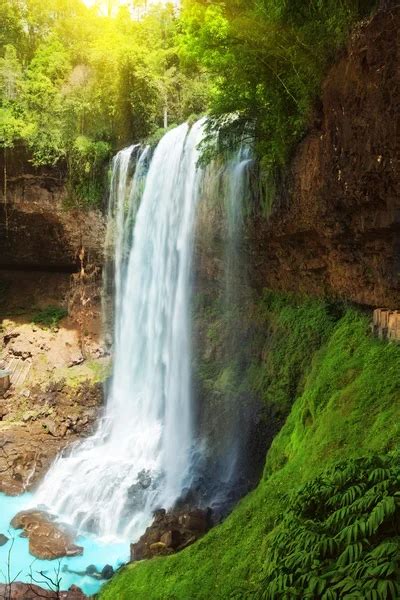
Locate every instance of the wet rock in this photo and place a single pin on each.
(195, 520)
(107, 572)
(144, 479)
(48, 539)
(159, 515)
(91, 570)
(27, 591)
(3, 539)
(170, 532)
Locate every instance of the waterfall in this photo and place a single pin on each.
(235, 185)
(140, 456)
(226, 421)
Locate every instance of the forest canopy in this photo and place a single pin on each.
(77, 83)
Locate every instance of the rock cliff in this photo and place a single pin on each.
(36, 230)
(335, 227)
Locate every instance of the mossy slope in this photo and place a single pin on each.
(347, 405)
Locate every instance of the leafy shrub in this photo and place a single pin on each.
(87, 162)
(340, 538)
(50, 316)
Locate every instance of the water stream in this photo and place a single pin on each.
(141, 456)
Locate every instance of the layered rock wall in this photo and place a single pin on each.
(335, 230)
(37, 231)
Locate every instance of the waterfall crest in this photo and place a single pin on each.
(140, 456)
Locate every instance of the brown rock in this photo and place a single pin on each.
(25, 591)
(27, 449)
(170, 532)
(172, 539)
(335, 225)
(51, 427)
(194, 521)
(157, 548)
(47, 538)
(139, 551)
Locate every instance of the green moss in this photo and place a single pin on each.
(296, 328)
(346, 390)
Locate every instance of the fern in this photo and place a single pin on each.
(339, 537)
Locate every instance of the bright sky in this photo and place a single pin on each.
(104, 3)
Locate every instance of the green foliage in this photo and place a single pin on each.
(49, 317)
(86, 177)
(347, 407)
(76, 85)
(340, 537)
(267, 59)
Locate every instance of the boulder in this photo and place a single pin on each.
(196, 520)
(48, 539)
(107, 572)
(170, 532)
(172, 539)
(91, 570)
(159, 549)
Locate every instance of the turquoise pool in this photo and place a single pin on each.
(23, 564)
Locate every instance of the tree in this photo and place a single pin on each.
(10, 74)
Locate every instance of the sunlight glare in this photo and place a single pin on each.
(104, 5)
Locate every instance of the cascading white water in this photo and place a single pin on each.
(140, 456)
(226, 195)
(235, 185)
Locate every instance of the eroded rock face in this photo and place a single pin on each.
(36, 230)
(48, 539)
(27, 591)
(336, 229)
(171, 532)
(57, 417)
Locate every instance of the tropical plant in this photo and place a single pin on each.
(340, 538)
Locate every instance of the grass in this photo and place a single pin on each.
(346, 405)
